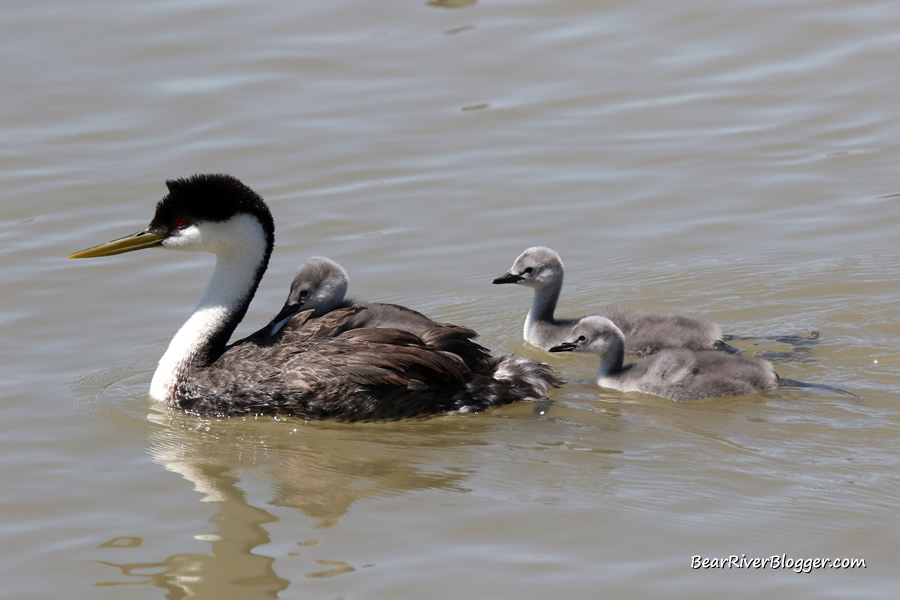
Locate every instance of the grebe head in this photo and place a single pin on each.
(320, 284)
(207, 213)
(594, 334)
(537, 267)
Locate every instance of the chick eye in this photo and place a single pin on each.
(581, 338)
(304, 293)
(179, 222)
(528, 270)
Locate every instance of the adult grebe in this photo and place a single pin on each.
(316, 368)
(645, 333)
(674, 374)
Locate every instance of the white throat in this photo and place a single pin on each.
(240, 246)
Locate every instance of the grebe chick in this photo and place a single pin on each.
(541, 268)
(321, 284)
(676, 374)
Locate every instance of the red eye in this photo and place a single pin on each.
(179, 222)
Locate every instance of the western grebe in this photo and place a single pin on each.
(645, 333)
(674, 374)
(316, 368)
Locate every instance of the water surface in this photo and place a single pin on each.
(734, 161)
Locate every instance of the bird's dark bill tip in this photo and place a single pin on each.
(564, 347)
(508, 278)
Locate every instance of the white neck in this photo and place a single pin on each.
(226, 298)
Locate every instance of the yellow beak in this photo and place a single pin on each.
(129, 243)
